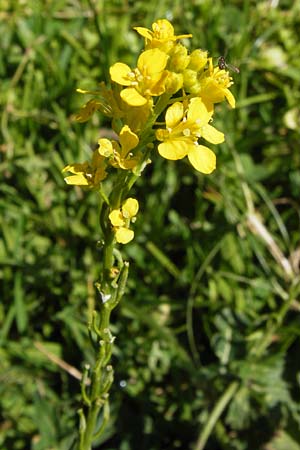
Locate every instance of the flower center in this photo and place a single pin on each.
(186, 132)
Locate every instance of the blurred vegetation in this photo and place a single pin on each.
(207, 349)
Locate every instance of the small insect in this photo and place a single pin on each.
(223, 65)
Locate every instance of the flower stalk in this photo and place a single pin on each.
(165, 103)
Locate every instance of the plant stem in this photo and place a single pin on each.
(111, 287)
(101, 380)
(215, 414)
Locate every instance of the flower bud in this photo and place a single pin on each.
(198, 60)
(179, 58)
(190, 81)
(174, 82)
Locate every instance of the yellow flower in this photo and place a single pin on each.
(214, 86)
(87, 174)
(119, 154)
(144, 82)
(161, 37)
(120, 219)
(105, 102)
(110, 103)
(183, 129)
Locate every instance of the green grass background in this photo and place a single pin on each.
(207, 348)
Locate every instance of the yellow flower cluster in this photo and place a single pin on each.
(167, 83)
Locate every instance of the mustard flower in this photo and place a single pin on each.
(119, 154)
(87, 174)
(144, 82)
(183, 129)
(105, 102)
(214, 85)
(120, 219)
(162, 35)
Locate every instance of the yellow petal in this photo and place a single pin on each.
(119, 73)
(130, 208)
(77, 168)
(132, 97)
(152, 62)
(105, 147)
(77, 180)
(144, 32)
(127, 164)
(158, 87)
(230, 98)
(116, 218)
(198, 112)
(128, 139)
(202, 159)
(174, 115)
(124, 235)
(163, 29)
(211, 134)
(174, 150)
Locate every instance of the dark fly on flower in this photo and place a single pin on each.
(223, 65)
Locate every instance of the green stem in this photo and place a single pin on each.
(102, 377)
(105, 312)
(108, 262)
(111, 290)
(215, 415)
(90, 426)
